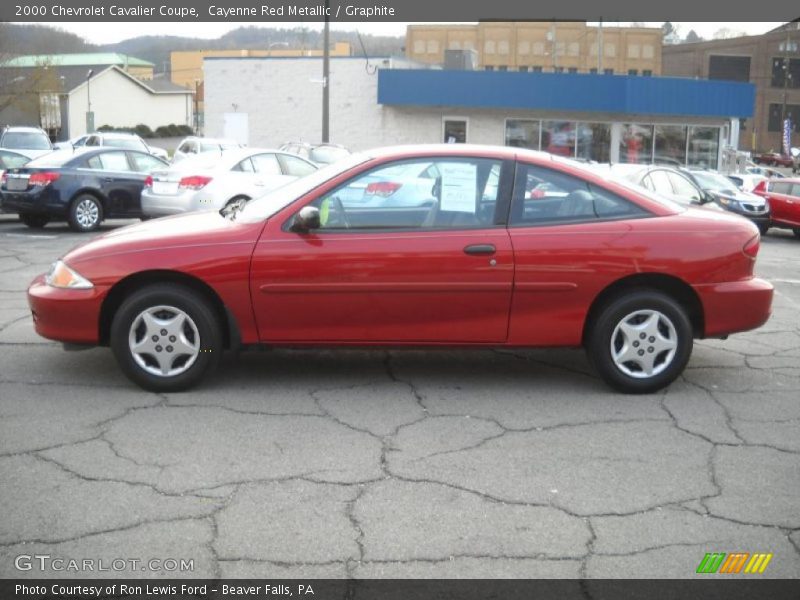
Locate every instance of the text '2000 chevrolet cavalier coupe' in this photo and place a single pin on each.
(502, 248)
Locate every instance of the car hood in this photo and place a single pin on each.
(740, 196)
(192, 229)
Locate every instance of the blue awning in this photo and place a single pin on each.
(566, 92)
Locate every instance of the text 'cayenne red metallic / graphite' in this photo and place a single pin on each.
(468, 246)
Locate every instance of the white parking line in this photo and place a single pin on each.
(796, 281)
(32, 236)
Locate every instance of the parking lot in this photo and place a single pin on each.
(398, 464)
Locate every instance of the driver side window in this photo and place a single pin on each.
(435, 193)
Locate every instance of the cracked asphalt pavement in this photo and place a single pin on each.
(409, 464)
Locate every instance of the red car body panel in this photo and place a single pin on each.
(419, 287)
(784, 208)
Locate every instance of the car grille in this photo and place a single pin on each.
(757, 209)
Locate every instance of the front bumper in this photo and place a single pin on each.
(735, 306)
(66, 315)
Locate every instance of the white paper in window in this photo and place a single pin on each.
(459, 187)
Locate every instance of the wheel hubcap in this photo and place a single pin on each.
(87, 213)
(644, 344)
(164, 341)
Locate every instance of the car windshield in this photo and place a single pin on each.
(713, 181)
(128, 143)
(267, 205)
(328, 154)
(26, 140)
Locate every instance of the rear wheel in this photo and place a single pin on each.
(34, 221)
(85, 213)
(640, 341)
(796, 232)
(166, 338)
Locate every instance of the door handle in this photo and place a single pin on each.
(479, 249)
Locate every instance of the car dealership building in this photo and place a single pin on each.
(267, 101)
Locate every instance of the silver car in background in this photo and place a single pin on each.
(212, 182)
(193, 146)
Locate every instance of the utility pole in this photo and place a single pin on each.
(786, 75)
(600, 47)
(553, 42)
(326, 74)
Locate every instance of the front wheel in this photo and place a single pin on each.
(763, 228)
(166, 338)
(85, 213)
(640, 342)
(34, 221)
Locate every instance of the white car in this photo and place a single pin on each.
(747, 182)
(211, 182)
(29, 141)
(194, 146)
(128, 141)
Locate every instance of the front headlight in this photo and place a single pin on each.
(729, 202)
(61, 276)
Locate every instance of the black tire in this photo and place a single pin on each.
(85, 213)
(34, 221)
(763, 228)
(796, 232)
(206, 336)
(240, 199)
(622, 310)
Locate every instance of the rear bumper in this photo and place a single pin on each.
(45, 202)
(163, 205)
(735, 306)
(65, 315)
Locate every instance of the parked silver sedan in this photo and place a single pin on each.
(212, 182)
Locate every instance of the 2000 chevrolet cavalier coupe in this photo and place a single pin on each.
(479, 262)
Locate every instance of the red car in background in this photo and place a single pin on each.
(784, 202)
(628, 275)
(773, 159)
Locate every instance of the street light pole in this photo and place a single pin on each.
(89, 114)
(326, 75)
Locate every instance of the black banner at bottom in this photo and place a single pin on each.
(704, 587)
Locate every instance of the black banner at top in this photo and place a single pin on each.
(277, 11)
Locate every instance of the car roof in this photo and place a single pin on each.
(23, 128)
(115, 134)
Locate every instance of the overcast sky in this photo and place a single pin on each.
(108, 32)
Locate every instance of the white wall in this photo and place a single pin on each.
(284, 104)
(120, 102)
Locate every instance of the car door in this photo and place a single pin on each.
(792, 206)
(436, 272)
(780, 204)
(568, 240)
(118, 182)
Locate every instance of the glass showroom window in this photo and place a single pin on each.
(703, 146)
(670, 145)
(594, 141)
(522, 133)
(636, 143)
(558, 137)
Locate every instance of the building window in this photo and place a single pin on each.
(419, 46)
(729, 68)
(454, 45)
(558, 137)
(648, 51)
(636, 143)
(502, 68)
(633, 72)
(609, 50)
(593, 70)
(573, 69)
(433, 47)
(594, 141)
(488, 68)
(523, 69)
(454, 130)
(524, 47)
(522, 133)
(558, 70)
(502, 47)
(538, 48)
(703, 146)
(608, 71)
(647, 73)
(574, 49)
(775, 122)
(780, 67)
(670, 144)
(489, 47)
(536, 69)
(633, 51)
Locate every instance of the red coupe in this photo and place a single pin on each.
(342, 257)
(783, 196)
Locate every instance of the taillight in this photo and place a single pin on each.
(43, 178)
(750, 249)
(383, 188)
(4, 178)
(194, 182)
(148, 181)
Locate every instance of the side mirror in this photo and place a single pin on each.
(306, 220)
